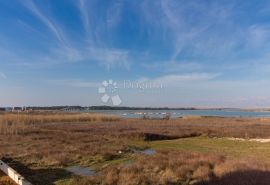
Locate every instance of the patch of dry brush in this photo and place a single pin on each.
(58, 139)
(180, 168)
(63, 139)
(16, 123)
(162, 168)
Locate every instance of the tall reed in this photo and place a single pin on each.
(11, 123)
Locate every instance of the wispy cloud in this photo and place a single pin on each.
(206, 36)
(84, 14)
(258, 36)
(73, 83)
(114, 14)
(176, 80)
(94, 50)
(45, 20)
(188, 45)
(110, 58)
(174, 66)
(3, 75)
(64, 52)
(199, 35)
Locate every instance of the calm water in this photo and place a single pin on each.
(148, 151)
(82, 171)
(180, 113)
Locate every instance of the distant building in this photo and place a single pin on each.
(17, 109)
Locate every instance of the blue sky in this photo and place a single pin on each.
(204, 53)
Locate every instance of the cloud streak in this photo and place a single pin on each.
(84, 15)
(45, 20)
(3, 75)
(110, 58)
(93, 50)
(212, 47)
(73, 83)
(177, 80)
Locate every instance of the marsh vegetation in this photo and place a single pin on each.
(192, 150)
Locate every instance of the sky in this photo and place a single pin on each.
(158, 53)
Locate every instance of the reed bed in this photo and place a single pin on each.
(183, 168)
(11, 123)
(53, 140)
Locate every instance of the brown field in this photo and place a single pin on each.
(193, 150)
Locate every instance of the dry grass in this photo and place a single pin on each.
(60, 140)
(54, 140)
(162, 168)
(17, 123)
(182, 168)
(195, 126)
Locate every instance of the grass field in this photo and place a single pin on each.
(221, 146)
(194, 150)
